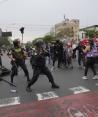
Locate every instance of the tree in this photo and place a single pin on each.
(28, 44)
(91, 33)
(68, 32)
(48, 38)
(5, 41)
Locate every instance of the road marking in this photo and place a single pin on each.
(9, 101)
(75, 112)
(47, 95)
(79, 89)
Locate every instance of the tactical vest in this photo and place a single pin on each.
(18, 53)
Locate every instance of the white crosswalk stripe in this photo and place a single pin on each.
(9, 101)
(79, 89)
(47, 95)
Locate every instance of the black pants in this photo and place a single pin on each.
(37, 71)
(58, 58)
(81, 58)
(0, 61)
(54, 59)
(23, 66)
(89, 64)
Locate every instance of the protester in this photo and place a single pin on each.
(89, 61)
(18, 56)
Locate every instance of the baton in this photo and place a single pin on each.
(7, 82)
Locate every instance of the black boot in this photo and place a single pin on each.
(28, 79)
(55, 86)
(0, 79)
(28, 89)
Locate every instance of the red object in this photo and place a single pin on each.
(80, 105)
(84, 41)
(69, 44)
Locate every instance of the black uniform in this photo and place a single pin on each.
(40, 67)
(58, 53)
(80, 54)
(0, 58)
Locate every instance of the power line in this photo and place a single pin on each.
(26, 25)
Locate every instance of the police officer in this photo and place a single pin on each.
(40, 68)
(18, 56)
(0, 59)
(58, 53)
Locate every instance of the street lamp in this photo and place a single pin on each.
(22, 32)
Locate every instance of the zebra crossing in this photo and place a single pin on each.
(42, 96)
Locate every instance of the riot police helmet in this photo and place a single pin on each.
(16, 42)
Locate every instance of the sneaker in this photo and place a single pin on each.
(52, 68)
(83, 67)
(55, 86)
(95, 77)
(84, 77)
(13, 90)
(28, 89)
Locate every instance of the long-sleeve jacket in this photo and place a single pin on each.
(39, 60)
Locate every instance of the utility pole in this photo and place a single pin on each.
(55, 31)
(64, 17)
(22, 32)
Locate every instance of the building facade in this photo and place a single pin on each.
(67, 29)
(93, 27)
(82, 32)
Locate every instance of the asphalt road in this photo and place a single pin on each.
(67, 79)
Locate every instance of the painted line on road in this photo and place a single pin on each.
(79, 89)
(47, 95)
(9, 101)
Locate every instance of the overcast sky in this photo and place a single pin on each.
(38, 16)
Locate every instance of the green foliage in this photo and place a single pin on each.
(91, 33)
(68, 32)
(48, 38)
(28, 44)
(5, 41)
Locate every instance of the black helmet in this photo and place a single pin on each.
(39, 43)
(57, 41)
(16, 42)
